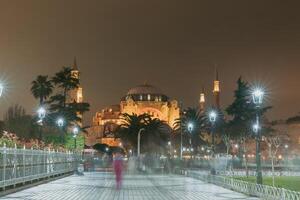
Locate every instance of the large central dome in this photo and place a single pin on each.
(145, 92)
(144, 89)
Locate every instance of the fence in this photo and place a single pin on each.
(251, 189)
(19, 166)
(265, 173)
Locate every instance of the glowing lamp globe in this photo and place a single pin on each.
(258, 95)
(212, 116)
(41, 112)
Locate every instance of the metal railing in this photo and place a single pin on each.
(19, 166)
(251, 189)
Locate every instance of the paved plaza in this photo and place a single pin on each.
(95, 186)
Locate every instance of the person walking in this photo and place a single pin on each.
(118, 168)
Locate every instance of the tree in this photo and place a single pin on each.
(17, 121)
(41, 88)
(273, 142)
(60, 104)
(154, 136)
(199, 123)
(66, 82)
(243, 114)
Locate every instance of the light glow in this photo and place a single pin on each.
(257, 96)
(190, 127)
(60, 122)
(41, 113)
(256, 127)
(75, 131)
(212, 116)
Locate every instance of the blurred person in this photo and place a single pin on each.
(118, 168)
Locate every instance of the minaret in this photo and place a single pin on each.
(216, 91)
(202, 101)
(76, 94)
(75, 71)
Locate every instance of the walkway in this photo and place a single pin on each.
(96, 186)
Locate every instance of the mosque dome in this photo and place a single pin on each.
(145, 92)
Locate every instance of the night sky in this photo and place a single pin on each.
(171, 44)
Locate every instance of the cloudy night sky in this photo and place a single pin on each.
(171, 44)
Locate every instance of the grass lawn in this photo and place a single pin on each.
(287, 182)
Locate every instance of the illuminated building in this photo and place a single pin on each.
(138, 100)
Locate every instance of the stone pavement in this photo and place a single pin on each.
(96, 186)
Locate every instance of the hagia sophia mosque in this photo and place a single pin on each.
(152, 100)
(138, 100)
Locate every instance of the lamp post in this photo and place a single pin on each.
(1, 89)
(139, 142)
(60, 123)
(170, 147)
(286, 147)
(257, 97)
(190, 128)
(41, 115)
(212, 119)
(75, 133)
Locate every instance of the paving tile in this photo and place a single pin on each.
(97, 185)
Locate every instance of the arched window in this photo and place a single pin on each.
(149, 97)
(141, 97)
(159, 98)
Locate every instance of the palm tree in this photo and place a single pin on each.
(131, 124)
(59, 104)
(154, 136)
(41, 88)
(199, 122)
(65, 81)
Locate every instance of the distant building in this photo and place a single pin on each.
(138, 100)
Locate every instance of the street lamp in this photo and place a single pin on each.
(170, 147)
(75, 133)
(257, 97)
(286, 146)
(139, 141)
(190, 128)
(60, 123)
(213, 119)
(41, 114)
(212, 116)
